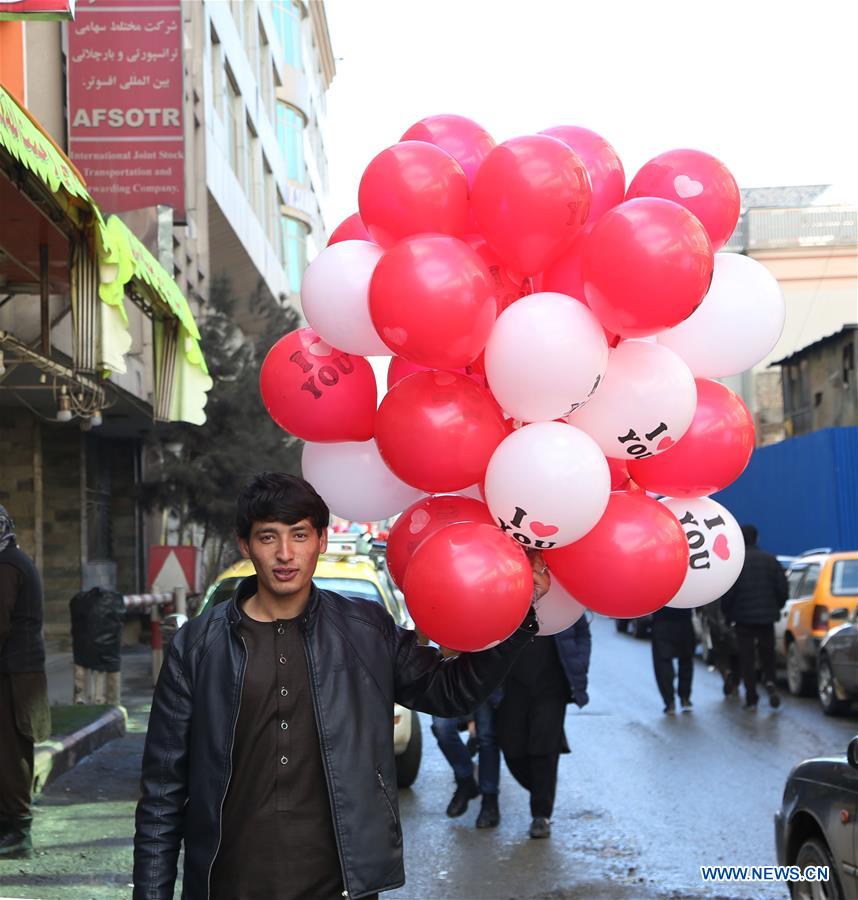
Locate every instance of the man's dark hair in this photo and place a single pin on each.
(277, 497)
(750, 534)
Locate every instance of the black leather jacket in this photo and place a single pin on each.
(360, 664)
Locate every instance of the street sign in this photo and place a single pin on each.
(173, 567)
(125, 103)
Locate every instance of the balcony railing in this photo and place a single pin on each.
(781, 229)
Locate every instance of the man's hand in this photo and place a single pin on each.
(541, 577)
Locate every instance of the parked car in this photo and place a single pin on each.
(815, 825)
(837, 668)
(823, 593)
(641, 627)
(352, 574)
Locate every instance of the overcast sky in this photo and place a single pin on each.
(768, 87)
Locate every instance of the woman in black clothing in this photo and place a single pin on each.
(549, 673)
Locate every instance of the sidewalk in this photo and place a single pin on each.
(63, 751)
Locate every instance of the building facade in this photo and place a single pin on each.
(811, 248)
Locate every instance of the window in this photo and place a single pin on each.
(794, 577)
(351, 587)
(287, 19)
(844, 578)
(233, 121)
(251, 35)
(267, 200)
(254, 162)
(217, 73)
(290, 137)
(294, 235)
(809, 582)
(264, 74)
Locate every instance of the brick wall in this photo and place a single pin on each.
(123, 516)
(17, 435)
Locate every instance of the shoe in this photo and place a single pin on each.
(15, 839)
(751, 705)
(774, 696)
(686, 704)
(465, 791)
(670, 709)
(729, 685)
(540, 827)
(489, 816)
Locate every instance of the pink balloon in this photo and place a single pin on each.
(697, 181)
(603, 166)
(400, 368)
(413, 188)
(466, 141)
(530, 198)
(350, 229)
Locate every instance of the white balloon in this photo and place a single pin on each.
(556, 611)
(737, 324)
(716, 548)
(353, 480)
(644, 405)
(545, 355)
(335, 297)
(547, 484)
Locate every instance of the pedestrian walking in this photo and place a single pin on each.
(25, 716)
(458, 754)
(269, 752)
(724, 648)
(754, 604)
(547, 675)
(673, 639)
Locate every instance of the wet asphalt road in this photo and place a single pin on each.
(643, 801)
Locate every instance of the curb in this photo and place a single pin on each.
(53, 758)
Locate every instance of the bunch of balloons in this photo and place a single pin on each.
(553, 338)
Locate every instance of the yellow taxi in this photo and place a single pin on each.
(823, 593)
(348, 569)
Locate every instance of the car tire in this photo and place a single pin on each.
(622, 625)
(814, 852)
(799, 682)
(408, 762)
(831, 704)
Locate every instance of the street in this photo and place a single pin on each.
(643, 801)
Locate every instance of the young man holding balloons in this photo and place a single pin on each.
(269, 752)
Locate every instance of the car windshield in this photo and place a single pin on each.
(351, 587)
(844, 578)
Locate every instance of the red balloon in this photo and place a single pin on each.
(411, 188)
(400, 368)
(432, 301)
(564, 274)
(469, 585)
(350, 229)
(422, 519)
(530, 198)
(316, 392)
(710, 455)
(509, 286)
(697, 181)
(437, 431)
(632, 563)
(466, 141)
(620, 478)
(647, 265)
(607, 177)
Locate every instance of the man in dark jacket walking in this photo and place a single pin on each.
(754, 604)
(25, 716)
(270, 743)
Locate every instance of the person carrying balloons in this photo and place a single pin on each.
(549, 673)
(269, 752)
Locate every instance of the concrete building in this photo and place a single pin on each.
(810, 245)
